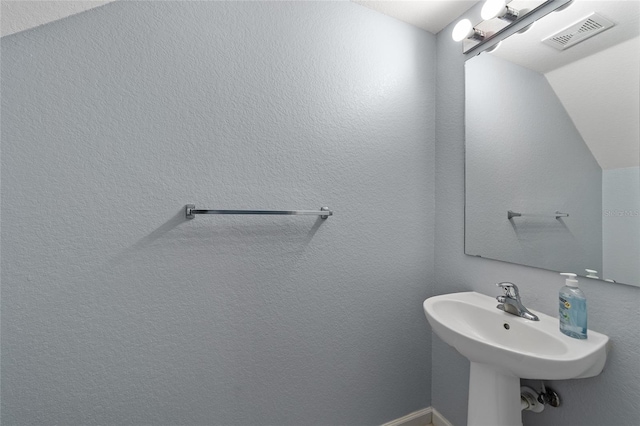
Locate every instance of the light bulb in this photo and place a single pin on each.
(494, 47)
(564, 6)
(462, 30)
(492, 9)
(525, 29)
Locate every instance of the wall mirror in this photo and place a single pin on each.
(552, 177)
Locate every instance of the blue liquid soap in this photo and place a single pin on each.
(572, 313)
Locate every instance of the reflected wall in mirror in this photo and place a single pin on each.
(552, 135)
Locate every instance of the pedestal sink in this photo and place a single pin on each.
(504, 348)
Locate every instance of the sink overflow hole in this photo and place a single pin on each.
(506, 326)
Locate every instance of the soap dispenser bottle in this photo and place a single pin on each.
(572, 308)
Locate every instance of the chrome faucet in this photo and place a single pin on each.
(511, 303)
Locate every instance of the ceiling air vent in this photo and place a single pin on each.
(580, 31)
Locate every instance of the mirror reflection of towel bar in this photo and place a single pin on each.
(511, 214)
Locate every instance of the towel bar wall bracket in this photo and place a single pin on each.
(324, 212)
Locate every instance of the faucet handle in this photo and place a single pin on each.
(510, 289)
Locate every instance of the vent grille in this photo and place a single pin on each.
(579, 31)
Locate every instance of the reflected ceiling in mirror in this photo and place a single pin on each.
(553, 134)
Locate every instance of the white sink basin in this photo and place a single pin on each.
(471, 323)
(503, 348)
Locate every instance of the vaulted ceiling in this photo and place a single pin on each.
(430, 15)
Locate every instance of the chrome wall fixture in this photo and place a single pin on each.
(324, 212)
(511, 214)
(498, 16)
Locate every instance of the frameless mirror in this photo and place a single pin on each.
(553, 147)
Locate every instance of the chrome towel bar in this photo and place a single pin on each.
(324, 212)
(511, 214)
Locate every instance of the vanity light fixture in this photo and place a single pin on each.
(492, 9)
(498, 17)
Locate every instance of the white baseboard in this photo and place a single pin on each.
(439, 420)
(422, 417)
(417, 418)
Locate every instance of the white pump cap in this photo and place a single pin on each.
(571, 280)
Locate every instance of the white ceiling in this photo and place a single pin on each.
(430, 15)
(613, 138)
(527, 50)
(607, 114)
(20, 15)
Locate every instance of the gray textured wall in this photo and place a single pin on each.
(116, 310)
(523, 153)
(621, 224)
(609, 399)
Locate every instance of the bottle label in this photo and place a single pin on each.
(573, 316)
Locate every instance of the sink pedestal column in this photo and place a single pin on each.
(494, 397)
